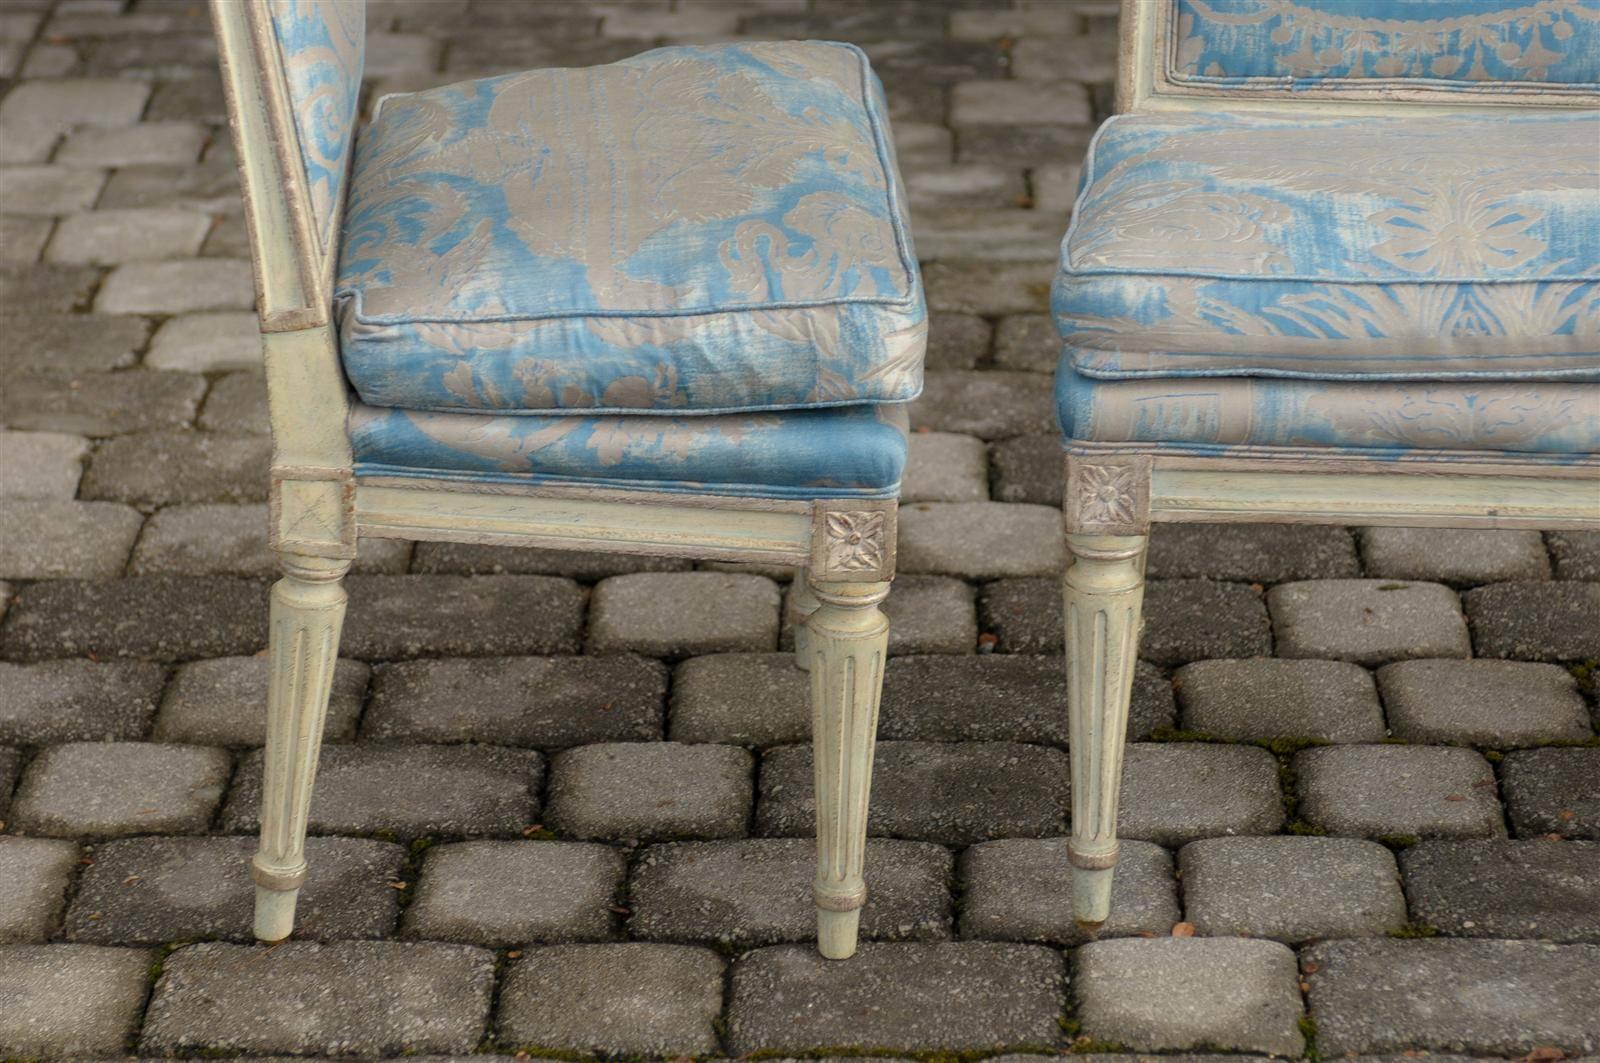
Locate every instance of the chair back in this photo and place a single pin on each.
(1359, 54)
(292, 74)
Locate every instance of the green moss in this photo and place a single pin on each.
(1587, 673)
(1392, 586)
(1308, 1030)
(1398, 841)
(1493, 756)
(1415, 930)
(1086, 1045)
(1300, 826)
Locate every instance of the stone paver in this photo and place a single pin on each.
(1189, 993)
(1576, 554)
(1251, 553)
(410, 616)
(157, 617)
(351, 997)
(77, 701)
(944, 467)
(680, 614)
(472, 790)
(41, 464)
(931, 614)
(10, 772)
(110, 789)
(165, 468)
(1175, 793)
(1028, 469)
(757, 891)
(146, 891)
(928, 997)
(748, 699)
(1020, 889)
(34, 875)
(1458, 556)
(206, 342)
(1291, 889)
(47, 190)
(650, 791)
(89, 540)
(237, 403)
(111, 237)
(1267, 699)
(1190, 620)
(70, 1000)
(636, 998)
(1535, 621)
(74, 101)
(73, 343)
(1368, 621)
(1393, 996)
(1398, 791)
(1553, 791)
(506, 893)
(102, 404)
(991, 404)
(147, 142)
(223, 702)
(548, 702)
(177, 287)
(956, 793)
(1503, 704)
(1506, 888)
(985, 540)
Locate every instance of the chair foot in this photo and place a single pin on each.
(837, 933)
(1091, 896)
(274, 914)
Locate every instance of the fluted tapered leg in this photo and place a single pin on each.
(849, 638)
(802, 603)
(307, 612)
(1103, 590)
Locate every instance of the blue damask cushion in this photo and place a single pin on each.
(857, 451)
(1551, 417)
(1465, 45)
(1450, 247)
(693, 229)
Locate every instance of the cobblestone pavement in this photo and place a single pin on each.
(565, 803)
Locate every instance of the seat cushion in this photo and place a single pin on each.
(705, 229)
(847, 451)
(1433, 248)
(1550, 417)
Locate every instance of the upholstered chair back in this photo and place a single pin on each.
(1478, 51)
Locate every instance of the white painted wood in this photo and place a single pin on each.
(308, 606)
(802, 603)
(849, 639)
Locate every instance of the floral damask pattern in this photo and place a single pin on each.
(850, 451)
(1462, 44)
(1456, 247)
(322, 44)
(706, 229)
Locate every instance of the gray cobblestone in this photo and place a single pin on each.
(1174, 793)
(237, 403)
(1009, 233)
(977, 103)
(352, 997)
(1553, 792)
(41, 464)
(146, 891)
(748, 699)
(206, 342)
(922, 144)
(972, 184)
(47, 190)
(223, 702)
(957, 341)
(70, 1000)
(10, 772)
(110, 237)
(548, 702)
(1576, 554)
(1023, 615)
(409, 791)
(22, 239)
(1191, 620)
(87, 539)
(1456, 556)
(1055, 188)
(76, 701)
(47, 289)
(1535, 621)
(1028, 342)
(1369, 622)
(928, 997)
(471, 559)
(506, 893)
(1483, 703)
(680, 614)
(1399, 791)
(177, 287)
(931, 614)
(1246, 553)
(1291, 889)
(982, 540)
(71, 343)
(757, 891)
(164, 468)
(987, 287)
(156, 617)
(1028, 469)
(1020, 889)
(1506, 889)
(943, 467)
(212, 187)
(24, 142)
(1046, 58)
(993, 404)
(34, 875)
(1022, 144)
(1194, 993)
(101, 404)
(207, 539)
(409, 616)
(111, 789)
(954, 793)
(634, 998)
(653, 791)
(1265, 699)
(1401, 996)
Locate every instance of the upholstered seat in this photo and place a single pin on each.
(700, 230)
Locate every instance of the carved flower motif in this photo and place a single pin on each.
(855, 540)
(1105, 494)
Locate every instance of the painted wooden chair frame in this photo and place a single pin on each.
(1115, 491)
(842, 549)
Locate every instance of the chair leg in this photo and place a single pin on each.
(849, 638)
(307, 613)
(802, 603)
(1103, 589)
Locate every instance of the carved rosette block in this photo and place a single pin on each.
(853, 540)
(1108, 496)
(848, 644)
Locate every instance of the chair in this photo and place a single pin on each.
(667, 306)
(1333, 261)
